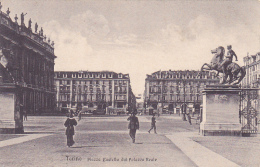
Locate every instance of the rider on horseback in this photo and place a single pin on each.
(232, 70)
(228, 59)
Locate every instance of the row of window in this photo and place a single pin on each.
(182, 76)
(175, 83)
(91, 97)
(89, 88)
(93, 82)
(90, 75)
(188, 97)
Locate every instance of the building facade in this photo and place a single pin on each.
(168, 90)
(252, 78)
(108, 91)
(27, 62)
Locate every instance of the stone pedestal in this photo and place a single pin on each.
(11, 120)
(220, 115)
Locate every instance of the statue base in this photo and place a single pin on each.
(11, 120)
(220, 111)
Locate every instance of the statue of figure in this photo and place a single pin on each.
(49, 40)
(228, 59)
(232, 70)
(0, 6)
(52, 44)
(22, 18)
(41, 34)
(15, 18)
(8, 12)
(30, 24)
(44, 37)
(36, 27)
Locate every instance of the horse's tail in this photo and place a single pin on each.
(243, 73)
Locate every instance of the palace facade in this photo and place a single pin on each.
(252, 77)
(168, 90)
(27, 63)
(104, 90)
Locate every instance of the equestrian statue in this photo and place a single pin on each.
(232, 72)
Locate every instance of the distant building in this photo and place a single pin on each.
(140, 106)
(107, 91)
(27, 64)
(252, 78)
(166, 91)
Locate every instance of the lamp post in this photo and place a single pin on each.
(161, 98)
(184, 105)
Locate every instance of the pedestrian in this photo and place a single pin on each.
(79, 115)
(70, 123)
(153, 126)
(21, 111)
(133, 125)
(189, 118)
(184, 109)
(25, 115)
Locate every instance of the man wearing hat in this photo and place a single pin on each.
(70, 123)
(133, 125)
(153, 126)
(228, 59)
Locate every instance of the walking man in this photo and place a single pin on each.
(133, 125)
(25, 115)
(79, 115)
(183, 110)
(189, 118)
(153, 126)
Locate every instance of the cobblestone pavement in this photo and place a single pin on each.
(104, 141)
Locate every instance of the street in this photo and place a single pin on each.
(104, 141)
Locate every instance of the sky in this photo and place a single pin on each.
(139, 37)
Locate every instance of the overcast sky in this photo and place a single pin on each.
(140, 37)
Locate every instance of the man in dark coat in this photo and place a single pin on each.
(183, 110)
(70, 123)
(133, 125)
(189, 118)
(153, 126)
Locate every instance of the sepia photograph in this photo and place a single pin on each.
(129, 83)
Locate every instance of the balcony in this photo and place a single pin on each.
(121, 92)
(64, 91)
(120, 100)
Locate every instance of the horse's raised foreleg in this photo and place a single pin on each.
(203, 68)
(208, 67)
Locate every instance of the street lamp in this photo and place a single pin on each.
(184, 105)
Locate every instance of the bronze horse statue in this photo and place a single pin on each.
(235, 73)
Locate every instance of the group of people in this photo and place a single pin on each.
(184, 113)
(132, 126)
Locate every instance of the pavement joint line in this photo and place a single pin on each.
(109, 131)
(22, 139)
(200, 155)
